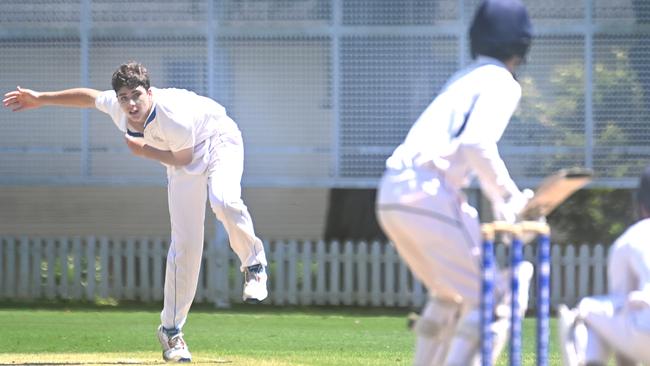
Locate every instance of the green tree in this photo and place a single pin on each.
(592, 215)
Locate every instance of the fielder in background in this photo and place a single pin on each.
(201, 147)
(420, 203)
(618, 323)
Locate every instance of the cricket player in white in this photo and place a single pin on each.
(420, 205)
(201, 147)
(618, 323)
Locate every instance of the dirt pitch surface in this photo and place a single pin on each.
(110, 359)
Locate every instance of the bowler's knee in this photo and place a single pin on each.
(224, 205)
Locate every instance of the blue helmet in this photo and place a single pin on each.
(500, 29)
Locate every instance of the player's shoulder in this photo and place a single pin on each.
(488, 67)
(106, 96)
(165, 94)
(635, 236)
(641, 226)
(185, 106)
(487, 73)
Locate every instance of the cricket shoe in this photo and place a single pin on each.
(174, 347)
(566, 325)
(255, 284)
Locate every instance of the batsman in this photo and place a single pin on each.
(420, 203)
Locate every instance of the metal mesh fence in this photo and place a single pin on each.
(323, 90)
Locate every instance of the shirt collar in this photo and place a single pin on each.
(487, 60)
(151, 117)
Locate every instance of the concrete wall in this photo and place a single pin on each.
(278, 213)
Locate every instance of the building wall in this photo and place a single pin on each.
(278, 213)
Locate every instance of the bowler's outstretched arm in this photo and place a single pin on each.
(23, 99)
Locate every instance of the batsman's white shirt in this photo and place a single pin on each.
(459, 130)
(180, 119)
(420, 204)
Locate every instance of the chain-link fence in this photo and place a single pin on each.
(323, 90)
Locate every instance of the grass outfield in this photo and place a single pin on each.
(242, 335)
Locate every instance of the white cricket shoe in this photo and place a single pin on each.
(566, 325)
(174, 347)
(255, 284)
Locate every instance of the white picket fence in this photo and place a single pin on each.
(301, 273)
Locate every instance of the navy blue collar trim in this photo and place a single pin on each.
(152, 116)
(134, 134)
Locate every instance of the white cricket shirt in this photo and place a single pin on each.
(179, 119)
(458, 132)
(629, 260)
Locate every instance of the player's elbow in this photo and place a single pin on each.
(185, 160)
(183, 157)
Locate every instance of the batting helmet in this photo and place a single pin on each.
(500, 29)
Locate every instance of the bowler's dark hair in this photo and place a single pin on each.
(132, 75)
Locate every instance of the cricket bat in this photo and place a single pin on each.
(554, 190)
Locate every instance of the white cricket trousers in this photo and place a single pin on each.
(187, 195)
(434, 230)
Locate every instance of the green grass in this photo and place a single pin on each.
(243, 335)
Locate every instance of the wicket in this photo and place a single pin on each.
(543, 267)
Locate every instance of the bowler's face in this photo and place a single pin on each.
(136, 103)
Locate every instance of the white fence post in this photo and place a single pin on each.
(75, 292)
(556, 275)
(23, 268)
(118, 284)
(63, 263)
(362, 273)
(403, 288)
(37, 253)
(91, 262)
(158, 253)
(569, 269)
(50, 252)
(238, 284)
(599, 270)
(221, 265)
(10, 271)
(348, 273)
(419, 297)
(320, 273)
(390, 258)
(278, 277)
(375, 273)
(103, 267)
(306, 290)
(584, 269)
(292, 274)
(334, 293)
(144, 284)
(129, 253)
(3, 268)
